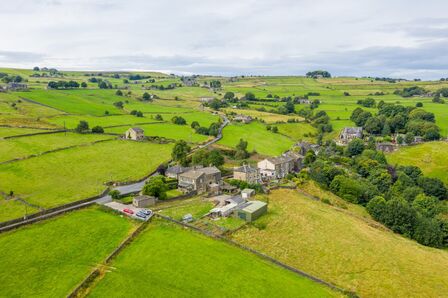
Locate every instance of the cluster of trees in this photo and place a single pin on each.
(137, 113)
(83, 127)
(318, 73)
(137, 77)
(368, 102)
(241, 150)
(411, 91)
(389, 80)
(393, 118)
(439, 94)
(162, 87)
(180, 152)
(178, 120)
(65, 84)
(102, 84)
(10, 79)
(212, 130)
(206, 158)
(119, 104)
(274, 129)
(157, 186)
(401, 198)
(215, 84)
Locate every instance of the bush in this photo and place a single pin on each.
(82, 127)
(97, 129)
(115, 194)
(178, 120)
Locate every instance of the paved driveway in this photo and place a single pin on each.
(119, 207)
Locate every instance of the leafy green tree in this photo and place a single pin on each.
(195, 124)
(158, 117)
(433, 187)
(115, 194)
(426, 205)
(119, 93)
(310, 157)
(156, 187)
(241, 149)
(83, 126)
(178, 120)
(97, 129)
(250, 96)
(400, 217)
(274, 129)
(377, 208)
(400, 140)
(146, 96)
(229, 95)
(215, 158)
(213, 129)
(428, 232)
(180, 152)
(355, 147)
(84, 85)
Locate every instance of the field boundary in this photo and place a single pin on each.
(96, 272)
(48, 213)
(35, 134)
(261, 255)
(54, 150)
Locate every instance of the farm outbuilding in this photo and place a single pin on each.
(144, 201)
(252, 210)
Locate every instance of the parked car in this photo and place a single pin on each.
(146, 212)
(129, 211)
(141, 214)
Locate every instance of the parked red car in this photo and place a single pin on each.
(129, 211)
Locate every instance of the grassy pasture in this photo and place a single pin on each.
(48, 259)
(15, 131)
(91, 102)
(266, 116)
(25, 146)
(297, 131)
(346, 250)
(71, 121)
(263, 141)
(181, 263)
(73, 174)
(431, 158)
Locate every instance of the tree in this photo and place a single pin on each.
(115, 194)
(119, 93)
(426, 205)
(289, 106)
(213, 129)
(146, 96)
(419, 104)
(195, 124)
(428, 232)
(180, 152)
(158, 117)
(84, 85)
(433, 187)
(178, 120)
(36, 68)
(355, 147)
(215, 158)
(241, 149)
(97, 129)
(250, 96)
(229, 95)
(156, 187)
(200, 157)
(377, 208)
(118, 104)
(274, 129)
(310, 157)
(83, 126)
(409, 138)
(400, 217)
(400, 140)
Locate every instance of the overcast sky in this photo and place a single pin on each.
(394, 38)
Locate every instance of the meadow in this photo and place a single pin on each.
(77, 173)
(431, 158)
(166, 260)
(50, 258)
(346, 250)
(258, 137)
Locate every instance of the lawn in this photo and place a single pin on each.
(73, 174)
(298, 131)
(259, 139)
(25, 146)
(168, 261)
(50, 258)
(346, 250)
(431, 158)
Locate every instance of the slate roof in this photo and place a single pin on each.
(245, 169)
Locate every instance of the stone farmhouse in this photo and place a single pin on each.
(175, 171)
(135, 133)
(200, 180)
(350, 133)
(385, 147)
(247, 173)
(279, 167)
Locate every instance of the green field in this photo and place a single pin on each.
(259, 139)
(25, 146)
(168, 261)
(431, 158)
(78, 173)
(50, 258)
(14, 131)
(298, 131)
(348, 250)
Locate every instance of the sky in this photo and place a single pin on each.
(391, 38)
